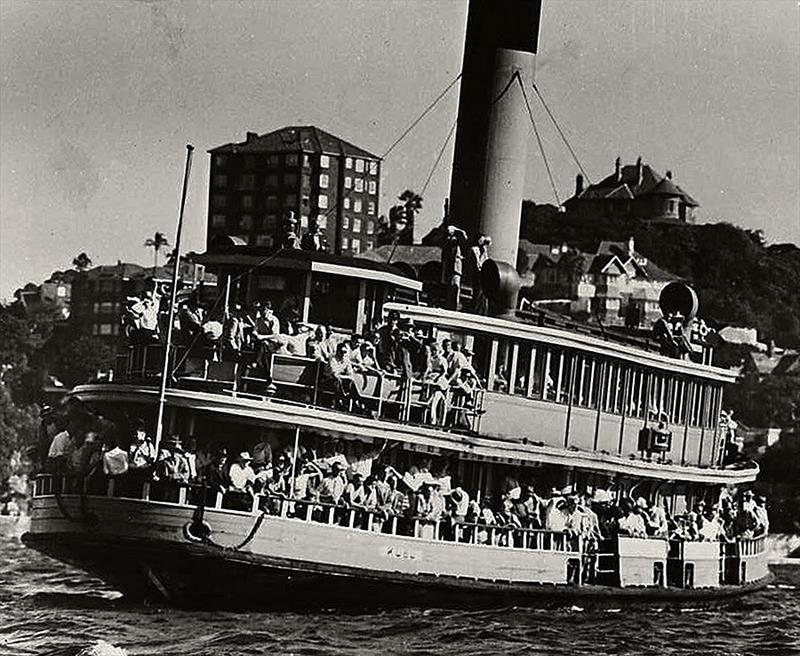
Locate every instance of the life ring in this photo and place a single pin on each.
(205, 529)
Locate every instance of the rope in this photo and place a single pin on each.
(201, 530)
(538, 138)
(421, 116)
(438, 158)
(561, 133)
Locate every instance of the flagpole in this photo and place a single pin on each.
(162, 394)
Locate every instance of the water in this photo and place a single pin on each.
(49, 608)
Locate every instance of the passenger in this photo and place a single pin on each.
(364, 358)
(262, 454)
(190, 453)
(306, 480)
(485, 518)
(87, 456)
(748, 503)
(452, 259)
(191, 317)
(59, 455)
(318, 346)
(657, 524)
(142, 453)
(631, 522)
(115, 460)
(216, 474)
(142, 317)
(234, 331)
(437, 381)
(265, 330)
(314, 239)
(459, 503)
(242, 476)
(710, 528)
(332, 486)
(476, 258)
(339, 373)
(762, 517)
(354, 492)
(527, 508)
(387, 342)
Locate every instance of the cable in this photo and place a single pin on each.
(438, 158)
(561, 133)
(538, 138)
(421, 116)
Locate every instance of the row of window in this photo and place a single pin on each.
(353, 244)
(273, 201)
(105, 329)
(589, 381)
(106, 307)
(269, 223)
(293, 159)
(357, 184)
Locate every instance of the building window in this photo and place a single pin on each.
(217, 220)
(292, 159)
(370, 245)
(220, 160)
(220, 180)
(272, 202)
(357, 205)
(344, 243)
(371, 207)
(304, 221)
(356, 224)
(270, 222)
(359, 166)
(323, 180)
(348, 182)
(272, 161)
(355, 245)
(290, 200)
(106, 329)
(370, 228)
(306, 162)
(373, 168)
(249, 162)
(346, 203)
(247, 201)
(219, 201)
(248, 181)
(61, 291)
(290, 180)
(95, 329)
(322, 202)
(345, 222)
(348, 162)
(359, 184)
(272, 181)
(373, 186)
(322, 221)
(264, 240)
(244, 238)
(306, 201)
(246, 222)
(324, 161)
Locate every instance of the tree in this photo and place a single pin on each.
(157, 242)
(398, 227)
(79, 360)
(18, 429)
(82, 261)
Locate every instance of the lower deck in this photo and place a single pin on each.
(282, 553)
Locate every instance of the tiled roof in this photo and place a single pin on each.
(293, 139)
(128, 270)
(789, 365)
(413, 254)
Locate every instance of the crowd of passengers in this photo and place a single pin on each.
(443, 368)
(352, 483)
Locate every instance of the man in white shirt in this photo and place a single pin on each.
(115, 461)
(59, 455)
(241, 473)
(142, 450)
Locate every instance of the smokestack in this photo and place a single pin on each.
(486, 188)
(669, 175)
(252, 136)
(618, 169)
(578, 184)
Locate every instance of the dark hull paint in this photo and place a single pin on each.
(197, 576)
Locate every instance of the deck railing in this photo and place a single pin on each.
(299, 379)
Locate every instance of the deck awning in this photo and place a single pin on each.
(298, 260)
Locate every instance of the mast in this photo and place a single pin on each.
(162, 393)
(487, 184)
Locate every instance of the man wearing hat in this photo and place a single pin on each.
(333, 484)
(452, 265)
(142, 450)
(290, 240)
(241, 474)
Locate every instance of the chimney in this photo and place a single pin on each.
(639, 170)
(578, 184)
(618, 169)
(669, 175)
(252, 136)
(631, 247)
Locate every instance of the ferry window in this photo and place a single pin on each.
(502, 366)
(220, 180)
(333, 300)
(523, 369)
(551, 362)
(617, 398)
(271, 282)
(536, 385)
(564, 377)
(586, 374)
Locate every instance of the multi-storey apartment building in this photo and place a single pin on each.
(320, 178)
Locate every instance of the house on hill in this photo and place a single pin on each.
(633, 191)
(615, 283)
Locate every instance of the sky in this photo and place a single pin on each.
(98, 100)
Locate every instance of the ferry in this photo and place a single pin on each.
(566, 405)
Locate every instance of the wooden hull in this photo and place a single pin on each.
(141, 548)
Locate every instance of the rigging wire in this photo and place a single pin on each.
(561, 133)
(421, 116)
(438, 158)
(538, 138)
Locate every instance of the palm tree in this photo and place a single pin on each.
(82, 261)
(157, 242)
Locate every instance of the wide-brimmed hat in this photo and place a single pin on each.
(244, 455)
(641, 502)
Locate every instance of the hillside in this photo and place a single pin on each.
(740, 280)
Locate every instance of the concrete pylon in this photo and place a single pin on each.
(506, 154)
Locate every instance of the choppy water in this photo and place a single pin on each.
(49, 608)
